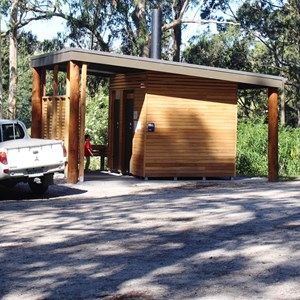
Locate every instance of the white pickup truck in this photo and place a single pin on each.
(25, 159)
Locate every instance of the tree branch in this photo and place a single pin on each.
(186, 21)
(211, 21)
(185, 5)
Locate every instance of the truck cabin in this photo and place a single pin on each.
(11, 131)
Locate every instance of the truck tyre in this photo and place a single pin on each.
(38, 187)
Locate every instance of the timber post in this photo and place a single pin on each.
(54, 106)
(73, 122)
(36, 118)
(82, 121)
(273, 134)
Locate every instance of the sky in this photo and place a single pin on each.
(43, 29)
(46, 29)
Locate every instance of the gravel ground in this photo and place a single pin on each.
(124, 238)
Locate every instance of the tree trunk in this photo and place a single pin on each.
(177, 31)
(177, 43)
(11, 113)
(12, 75)
(282, 108)
(139, 20)
(282, 101)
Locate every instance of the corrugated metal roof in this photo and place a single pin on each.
(105, 64)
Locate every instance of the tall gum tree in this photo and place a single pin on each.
(275, 24)
(98, 24)
(11, 113)
(20, 13)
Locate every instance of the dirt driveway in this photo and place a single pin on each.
(124, 238)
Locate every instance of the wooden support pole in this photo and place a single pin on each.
(44, 127)
(82, 121)
(55, 80)
(36, 122)
(54, 129)
(111, 121)
(73, 122)
(67, 113)
(273, 135)
(121, 132)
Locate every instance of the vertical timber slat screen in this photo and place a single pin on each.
(54, 117)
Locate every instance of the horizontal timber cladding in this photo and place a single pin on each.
(195, 127)
(128, 81)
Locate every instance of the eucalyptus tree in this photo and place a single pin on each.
(272, 31)
(228, 49)
(27, 44)
(18, 14)
(291, 59)
(102, 25)
(275, 25)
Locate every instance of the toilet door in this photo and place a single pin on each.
(116, 135)
(128, 131)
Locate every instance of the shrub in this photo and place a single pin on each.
(97, 122)
(289, 151)
(252, 149)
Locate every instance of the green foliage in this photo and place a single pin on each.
(252, 103)
(27, 46)
(52, 45)
(252, 149)
(4, 6)
(267, 42)
(289, 151)
(274, 28)
(5, 73)
(227, 49)
(97, 118)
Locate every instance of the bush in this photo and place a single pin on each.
(252, 149)
(289, 151)
(97, 118)
(97, 122)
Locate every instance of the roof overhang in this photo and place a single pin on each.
(107, 64)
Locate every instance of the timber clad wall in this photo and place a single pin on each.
(195, 125)
(138, 143)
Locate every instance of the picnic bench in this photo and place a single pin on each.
(101, 151)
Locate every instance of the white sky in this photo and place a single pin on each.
(46, 29)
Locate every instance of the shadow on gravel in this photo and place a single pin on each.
(199, 240)
(22, 192)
